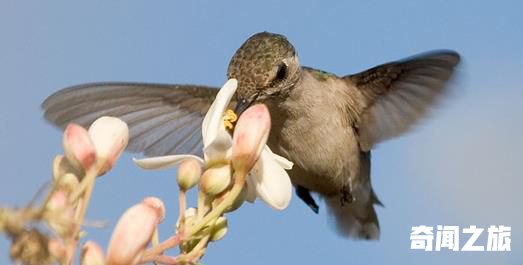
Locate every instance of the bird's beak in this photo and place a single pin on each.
(244, 103)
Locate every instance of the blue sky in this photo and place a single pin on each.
(462, 166)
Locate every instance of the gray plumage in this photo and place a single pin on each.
(327, 125)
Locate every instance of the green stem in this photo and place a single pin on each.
(89, 177)
(239, 182)
(198, 250)
(203, 205)
(194, 255)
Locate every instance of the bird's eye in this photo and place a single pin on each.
(282, 72)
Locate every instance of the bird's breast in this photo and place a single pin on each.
(309, 131)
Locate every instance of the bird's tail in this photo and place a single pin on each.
(356, 219)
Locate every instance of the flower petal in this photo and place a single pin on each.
(273, 184)
(216, 139)
(212, 122)
(249, 138)
(219, 149)
(161, 162)
(251, 187)
(282, 161)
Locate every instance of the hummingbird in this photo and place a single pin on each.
(326, 124)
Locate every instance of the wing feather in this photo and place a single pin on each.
(162, 119)
(398, 94)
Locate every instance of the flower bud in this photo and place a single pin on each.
(61, 210)
(92, 254)
(57, 201)
(78, 147)
(56, 248)
(219, 229)
(189, 174)
(157, 205)
(216, 179)
(68, 182)
(110, 136)
(62, 166)
(250, 136)
(133, 232)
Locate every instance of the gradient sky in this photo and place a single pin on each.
(462, 166)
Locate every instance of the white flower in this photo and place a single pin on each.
(268, 180)
(110, 136)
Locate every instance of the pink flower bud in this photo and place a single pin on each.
(133, 232)
(56, 248)
(250, 136)
(78, 147)
(157, 205)
(57, 201)
(110, 136)
(92, 254)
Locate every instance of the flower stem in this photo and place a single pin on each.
(85, 191)
(182, 200)
(203, 205)
(153, 252)
(163, 259)
(239, 182)
(197, 252)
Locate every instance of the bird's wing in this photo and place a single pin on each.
(162, 119)
(397, 94)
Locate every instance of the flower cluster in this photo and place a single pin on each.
(87, 154)
(236, 167)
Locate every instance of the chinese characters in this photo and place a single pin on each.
(448, 237)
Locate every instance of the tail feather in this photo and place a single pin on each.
(355, 220)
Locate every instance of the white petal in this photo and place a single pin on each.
(213, 120)
(110, 136)
(273, 184)
(251, 188)
(219, 148)
(161, 162)
(282, 161)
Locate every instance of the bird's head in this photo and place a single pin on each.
(266, 67)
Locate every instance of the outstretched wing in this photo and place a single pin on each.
(162, 119)
(397, 94)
